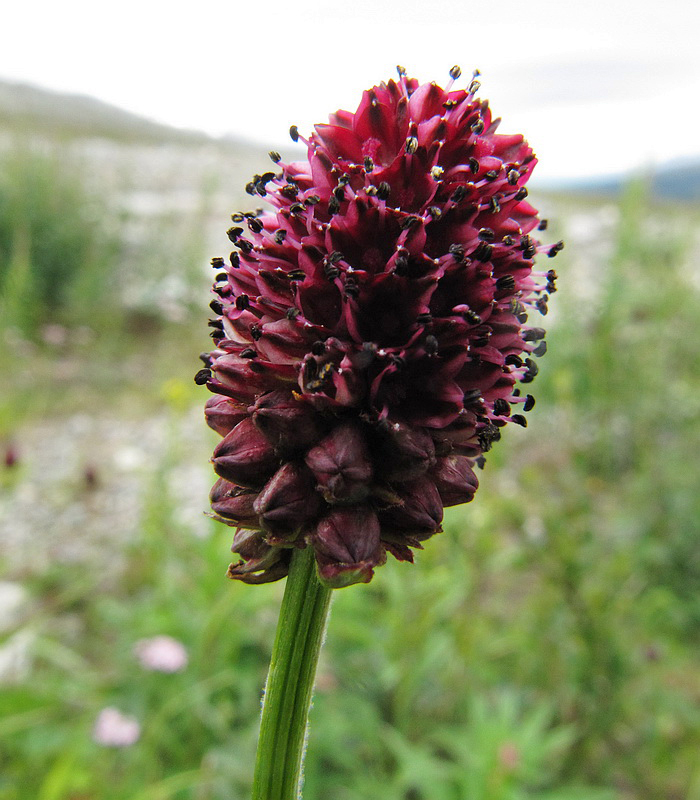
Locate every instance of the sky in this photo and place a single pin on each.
(595, 87)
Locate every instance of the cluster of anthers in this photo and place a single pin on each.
(371, 331)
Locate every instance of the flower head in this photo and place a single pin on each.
(161, 654)
(371, 330)
(114, 729)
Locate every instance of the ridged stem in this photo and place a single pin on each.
(290, 681)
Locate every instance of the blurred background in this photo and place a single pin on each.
(546, 644)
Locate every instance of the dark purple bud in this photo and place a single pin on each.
(260, 563)
(406, 452)
(287, 423)
(342, 465)
(455, 480)
(245, 457)
(348, 546)
(234, 504)
(420, 512)
(223, 414)
(288, 501)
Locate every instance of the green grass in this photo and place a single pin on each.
(544, 646)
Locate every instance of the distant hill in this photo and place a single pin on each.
(25, 107)
(676, 180)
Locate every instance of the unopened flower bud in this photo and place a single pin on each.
(245, 457)
(234, 504)
(288, 501)
(342, 465)
(348, 546)
(406, 452)
(287, 423)
(419, 513)
(455, 480)
(223, 414)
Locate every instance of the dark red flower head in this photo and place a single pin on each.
(370, 331)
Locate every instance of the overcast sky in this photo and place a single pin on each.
(595, 87)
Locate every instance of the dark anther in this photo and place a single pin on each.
(532, 369)
(543, 225)
(255, 331)
(435, 212)
(478, 126)
(487, 235)
(289, 190)
(275, 156)
(331, 272)
(255, 225)
(437, 172)
(234, 233)
(292, 313)
(344, 179)
(237, 217)
(457, 252)
(318, 348)
(249, 352)
(483, 252)
(280, 236)
(411, 145)
(401, 265)
(294, 133)
(505, 283)
(491, 175)
(555, 248)
(202, 377)
(217, 307)
(501, 407)
(474, 87)
(541, 305)
(245, 245)
(369, 164)
(507, 240)
(242, 302)
(551, 275)
(333, 205)
(519, 419)
(455, 72)
(431, 345)
(296, 208)
(250, 187)
(471, 396)
(383, 190)
(335, 257)
(351, 289)
(533, 335)
(482, 341)
(312, 200)
(521, 316)
(424, 319)
(216, 323)
(529, 403)
(339, 192)
(448, 104)
(525, 242)
(409, 222)
(235, 259)
(473, 165)
(216, 335)
(459, 194)
(371, 191)
(217, 262)
(296, 275)
(514, 361)
(471, 316)
(513, 176)
(222, 276)
(521, 194)
(489, 435)
(401, 70)
(494, 205)
(541, 349)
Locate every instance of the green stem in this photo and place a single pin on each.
(290, 681)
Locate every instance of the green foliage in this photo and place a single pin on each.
(57, 248)
(544, 647)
